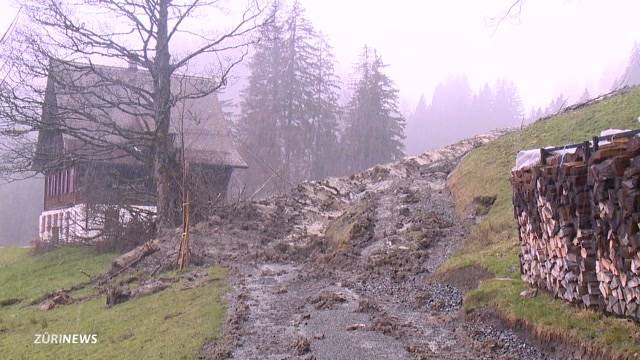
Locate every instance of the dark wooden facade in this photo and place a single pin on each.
(81, 173)
(60, 188)
(98, 183)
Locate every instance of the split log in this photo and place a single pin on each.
(132, 257)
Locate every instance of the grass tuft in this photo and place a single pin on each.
(493, 244)
(172, 324)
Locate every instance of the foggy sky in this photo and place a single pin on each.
(552, 47)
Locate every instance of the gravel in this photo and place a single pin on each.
(370, 295)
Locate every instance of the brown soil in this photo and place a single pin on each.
(465, 278)
(344, 269)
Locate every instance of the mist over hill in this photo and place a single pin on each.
(20, 206)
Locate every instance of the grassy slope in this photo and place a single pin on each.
(172, 324)
(27, 277)
(493, 244)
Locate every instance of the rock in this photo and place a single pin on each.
(46, 305)
(281, 290)
(117, 295)
(149, 288)
(529, 293)
(353, 327)
(301, 346)
(327, 300)
(55, 300)
(366, 306)
(405, 211)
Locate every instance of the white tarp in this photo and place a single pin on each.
(612, 132)
(529, 158)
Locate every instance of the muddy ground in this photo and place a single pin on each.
(345, 269)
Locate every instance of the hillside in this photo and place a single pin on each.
(375, 265)
(345, 268)
(493, 243)
(172, 324)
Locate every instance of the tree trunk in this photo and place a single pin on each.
(162, 91)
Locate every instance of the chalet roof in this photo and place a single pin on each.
(87, 101)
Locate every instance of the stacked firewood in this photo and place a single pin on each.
(614, 175)
(552, 206)
(578, 218)
(533, 250)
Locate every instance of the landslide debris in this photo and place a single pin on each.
(343, 268)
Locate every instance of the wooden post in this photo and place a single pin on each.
(587, 149)
(543, 156)
(184, 250)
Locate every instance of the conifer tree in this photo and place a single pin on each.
(288, 123)
(586, 96)
(323, 139)
(297, 83)
(261, 108)
(374, 131)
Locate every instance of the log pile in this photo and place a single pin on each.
(614, 177)
(578, 218)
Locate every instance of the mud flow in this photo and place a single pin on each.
(345, 268)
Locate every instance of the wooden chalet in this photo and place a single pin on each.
(94, 140)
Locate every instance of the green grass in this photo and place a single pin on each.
(27, 277)
(493, 244)
(551, 318)
(172, 324)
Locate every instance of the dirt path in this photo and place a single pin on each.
(343, 269)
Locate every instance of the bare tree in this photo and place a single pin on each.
(60, 44)
(512, 12)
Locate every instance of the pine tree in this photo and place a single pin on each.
(482, 110)
(535, 114)
(417, 128)
(375, 128)
(631, 74)
(586, 96)
(507, 105)
(297, 82)
(261, 109)
(290, 107)
(324, 115)
(451, 112)
(557, 104)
